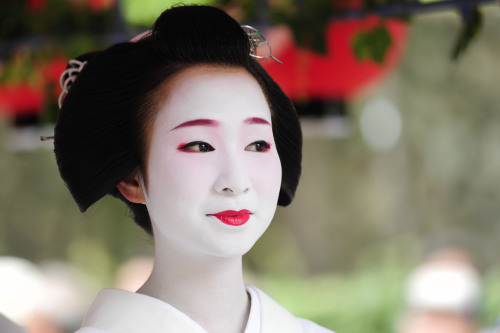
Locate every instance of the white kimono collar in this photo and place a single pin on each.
(118, 311)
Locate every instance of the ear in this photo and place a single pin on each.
(131, 188)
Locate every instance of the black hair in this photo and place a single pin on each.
(101, 129)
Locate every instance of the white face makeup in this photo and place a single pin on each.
(214, 174)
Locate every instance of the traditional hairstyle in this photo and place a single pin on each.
(100, 136)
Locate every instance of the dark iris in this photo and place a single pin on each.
(203, 147)
(258, 146)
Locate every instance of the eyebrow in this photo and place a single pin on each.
(214, 123)
(256, 121)
(198, 122)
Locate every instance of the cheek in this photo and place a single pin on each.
(266, 173)
(173, 175)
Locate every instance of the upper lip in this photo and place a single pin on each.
(231, 213)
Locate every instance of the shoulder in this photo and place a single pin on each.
(118, 311)
(275, 318)
(7, 326)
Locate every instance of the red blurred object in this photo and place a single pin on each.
(94, 5)
(338, 75)
(25, 99)
(21, 99)
(36, 5)
(99, 5)
(51, 72)
(340, 5)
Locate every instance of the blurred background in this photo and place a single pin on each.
(398, 202)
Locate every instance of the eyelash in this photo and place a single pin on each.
(263, 146)
(203, 147)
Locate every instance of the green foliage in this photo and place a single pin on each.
(367, 300)
(307, 19)
(372, 44)
(58, 19)
(241, 10)
(370, 299)
(144, 13)
(491, 296)
(19, 68)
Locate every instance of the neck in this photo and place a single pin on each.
(205, 288)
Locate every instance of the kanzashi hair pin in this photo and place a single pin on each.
(257, 41)
(69, 76)
(66, 80)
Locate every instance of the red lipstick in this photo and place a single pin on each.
(232, 217)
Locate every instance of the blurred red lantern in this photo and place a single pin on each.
(338, 74)
(20, 99)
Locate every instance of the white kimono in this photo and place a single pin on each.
(120, 311)
(6, 326)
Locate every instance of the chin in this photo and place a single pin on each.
(233, 248)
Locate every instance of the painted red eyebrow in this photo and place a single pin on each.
(198, 122)
(256, 121)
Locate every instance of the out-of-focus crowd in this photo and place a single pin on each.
(53, 297)
(443, 294)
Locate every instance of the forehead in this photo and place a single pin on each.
(203, 92)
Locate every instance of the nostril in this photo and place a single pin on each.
(229, 190)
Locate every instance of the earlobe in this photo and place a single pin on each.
(131, 188)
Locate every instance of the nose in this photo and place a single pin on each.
(233, 177)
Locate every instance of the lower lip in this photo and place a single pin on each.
(233, 218)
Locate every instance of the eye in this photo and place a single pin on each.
(196, 147)
(258, 146)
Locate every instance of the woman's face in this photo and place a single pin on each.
(213, 171)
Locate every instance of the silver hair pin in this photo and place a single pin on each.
(257, 40)
(69, 76)
(66, 80)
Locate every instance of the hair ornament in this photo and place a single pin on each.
(257, 40)
(69, 76)
(141, 36)
(66, 80)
